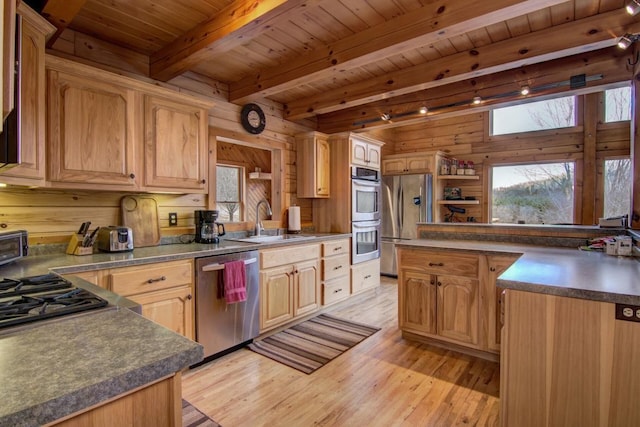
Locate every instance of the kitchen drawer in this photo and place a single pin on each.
(288, 255)
(365, 275)
(335, 247)
(335, 267)
(136, 280)
(452, 263)
(335, 290)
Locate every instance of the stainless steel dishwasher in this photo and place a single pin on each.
(221, 326)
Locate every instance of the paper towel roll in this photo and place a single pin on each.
(294, 218)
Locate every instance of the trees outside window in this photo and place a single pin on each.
(548, 114)
(229, 184)
(617, 187)
(617, 104)
(533, 194)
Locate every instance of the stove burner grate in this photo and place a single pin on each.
(27, 285)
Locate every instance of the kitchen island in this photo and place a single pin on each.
(571, 332)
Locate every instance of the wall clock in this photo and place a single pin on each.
(252, 118)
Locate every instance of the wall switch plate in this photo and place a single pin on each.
(173, 219)
(628, 312)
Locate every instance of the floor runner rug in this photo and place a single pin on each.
(309, 345)
(192, 417)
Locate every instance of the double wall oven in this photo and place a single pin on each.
(365, 214)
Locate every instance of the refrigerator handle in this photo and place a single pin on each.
(400, 208)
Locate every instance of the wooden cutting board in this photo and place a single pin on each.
(140, 213)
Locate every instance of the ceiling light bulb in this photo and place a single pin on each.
(423, 110)
(477, 100)
(625, 41)
(633, 7)
(524, 90)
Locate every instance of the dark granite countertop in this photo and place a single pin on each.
(557, 271)
(52, 369)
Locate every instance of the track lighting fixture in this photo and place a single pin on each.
(625, 41)
(633, 7)
(385, 116)
(423, 110)
(476, 100)
(525, 90)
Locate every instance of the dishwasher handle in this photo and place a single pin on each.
(220, 266)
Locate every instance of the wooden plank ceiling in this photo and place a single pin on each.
(346, 62)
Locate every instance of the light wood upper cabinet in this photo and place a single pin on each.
(365, 153)
(115, 133)
(31, 117)
(313, 165)
(176, 141)
(407, 164)
(93, 131)
(7, 17)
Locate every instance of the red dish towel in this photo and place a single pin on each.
(235, 282)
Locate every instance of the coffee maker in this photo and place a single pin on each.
(207, 229)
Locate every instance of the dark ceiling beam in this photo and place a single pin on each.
(499, 88)
(60, 13)
(431, 23)
(236, 24)
(593, 33)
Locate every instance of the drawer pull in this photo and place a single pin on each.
(368, 276)
(157, 280)
(337, 290)
(337, 267)
(436, 264)
(338, 248)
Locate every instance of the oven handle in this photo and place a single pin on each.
(218, 266)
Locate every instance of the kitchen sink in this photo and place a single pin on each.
(267, 239)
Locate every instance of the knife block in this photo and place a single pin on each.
(75, 246)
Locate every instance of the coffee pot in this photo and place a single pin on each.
(207, 229)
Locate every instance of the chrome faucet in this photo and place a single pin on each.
(259, 226)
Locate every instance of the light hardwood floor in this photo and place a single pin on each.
(383, 381)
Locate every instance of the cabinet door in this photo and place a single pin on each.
(373, 156)
(176, 142)
(276, 296)
(97, 277)
(307, 288)
(457, 308)
(359, 153)
(497, 265)
(420, 164)
(394, 166)
(31, 170)
(171, 308)
(92, 131)
(417, 302)
(322, 167)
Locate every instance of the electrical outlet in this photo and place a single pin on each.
(628, 312)
(173, 219)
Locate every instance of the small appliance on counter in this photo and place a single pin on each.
(613, 222)
(13, 245)
(207, 229)
(115, 239)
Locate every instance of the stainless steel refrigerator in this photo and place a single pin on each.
(406, 200)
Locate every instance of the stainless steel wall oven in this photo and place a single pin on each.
(365, 194)
(365, 241)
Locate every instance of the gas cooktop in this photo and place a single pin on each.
(37, 298)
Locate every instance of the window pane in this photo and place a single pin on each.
(533, 194)
(617, 187)
(549, 114)
(228, 193)
(617, 104)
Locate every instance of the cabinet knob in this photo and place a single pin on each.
(189, 296)
(439, 283)
(433, 282)
(492, 269)
(436, 264)
(159, 279)
(132, 175)
(204, 181)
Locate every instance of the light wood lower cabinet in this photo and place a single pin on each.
(567, 362)
(335, 271)
(451, 296)
(365, 276)
(158, 404)
(289, 284)
(164, 291)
